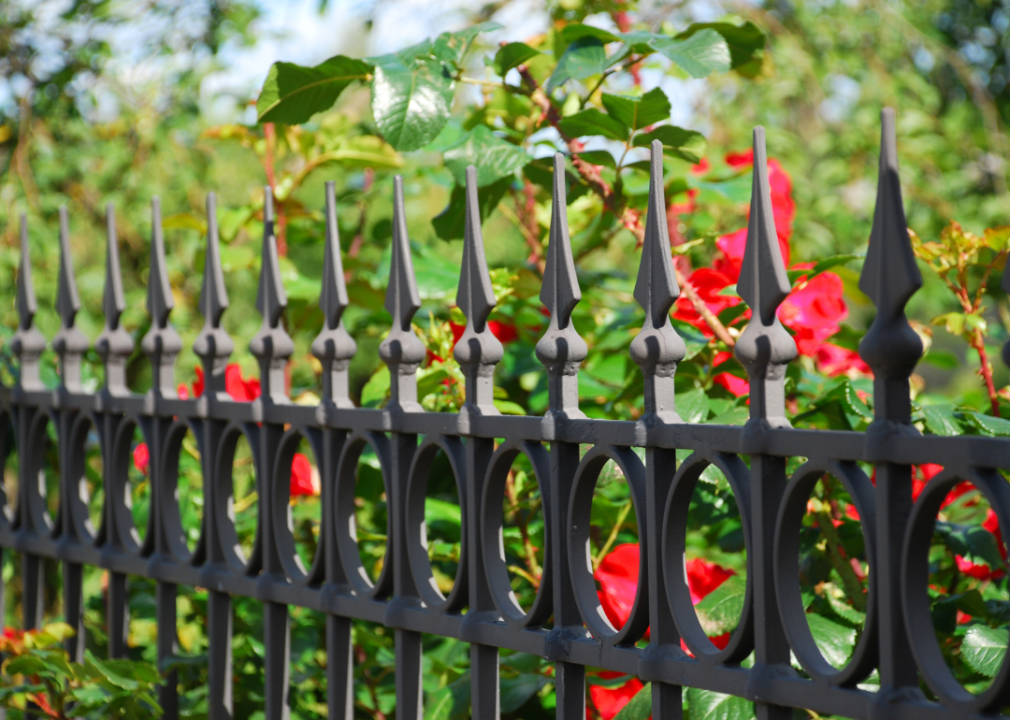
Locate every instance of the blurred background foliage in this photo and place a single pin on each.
(122, 101)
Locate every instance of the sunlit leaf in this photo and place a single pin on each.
(294, 93)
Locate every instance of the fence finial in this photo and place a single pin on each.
(161, 343)
(271, 345)
(334, 347)
(27, 343)
(402, 350)
(114, 345)
(890, 277)
(69, 343)
(213, 345)
(657, 348)
(478, 350)
(764, 347)
(561, 350)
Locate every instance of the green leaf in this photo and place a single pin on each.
(942, 359)
(506, 407)
(450, 702)
(411, 103)
(577, 31)
(452, 46)
(692, 406)
(638, 113)
(834, 641)
(700, 55)
(822, 266)
(639, 707)
(515, 691)
(984, 648)
(719, 611)
(708, 705)
(512, 55)
(111, 671)
(844, 610)
(449, 224)
(25, 665)
(594, 122)
(941, 420)
(746, 44)
(493, 157)
(583, 58)
(685, 144)
(293, 93)
(971, 540)
(599, 157)
(988, 425)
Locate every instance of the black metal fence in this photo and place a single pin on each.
(897, 640)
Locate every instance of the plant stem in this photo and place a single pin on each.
(985, 370)
(613, 535)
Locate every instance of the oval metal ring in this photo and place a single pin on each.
(281, 507)
(33, 514)
(915, 581)
(168, 496)
(787, 571)
(346, 529)
(122, 531)
(224, 501)
(580, 553)
(77, 499)
(493, 544)
(674, 544)
(417, 533)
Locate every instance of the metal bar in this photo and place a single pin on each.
(219, 662)
(117, 614)
(339, 668)
(168, 647)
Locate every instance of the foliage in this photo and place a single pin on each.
(38, 672)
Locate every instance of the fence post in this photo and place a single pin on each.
(403, 352)
(765, 349)
(477, 352)
(657, 349)
(334, 348)
(561, 350)
(891, 348)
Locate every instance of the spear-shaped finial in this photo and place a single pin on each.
(271, 345)
(402, 350)
(114, 345)
(213, 345)
(161, 343)
(657, 348)
(890, 277)
(69, 343)
(334, 346)
(27, 343)
(764, 347)
(478, 350)
(561, 350)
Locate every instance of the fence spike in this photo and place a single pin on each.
(271, 345)
(334, 347)
(114, 345)
(402, 350)
(69, 343)
(478, 350)
(213, 345)
(161, 343)
(764, 347)
(657, 348)
(27, 343)
(890, 277)
(561, 350)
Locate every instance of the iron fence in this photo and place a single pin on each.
(897, 639)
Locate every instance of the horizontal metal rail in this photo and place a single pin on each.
(897, 641)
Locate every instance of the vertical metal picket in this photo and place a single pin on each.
(477, 352)
(656, 350)
(561, 351)
(765, 349)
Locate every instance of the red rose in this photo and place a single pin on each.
(301, 477)
(240, 389)
(610, 701)
(814, 312)
(708, 284)
(141, 458)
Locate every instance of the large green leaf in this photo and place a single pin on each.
(941, 420)
(582, 59)
(411, 101)
(984, 648)
(685, 144)
(641, 112)
(512, 55)
(577, 31)
(594, 122)
(451, 702)
(971, 540)
(719, 611)
(639, 707)
(746, 44)
(708, 705)
(700, 55)
(835, 641)
(293, 93)
(493, 157)
(692, 406)
(988, 425)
